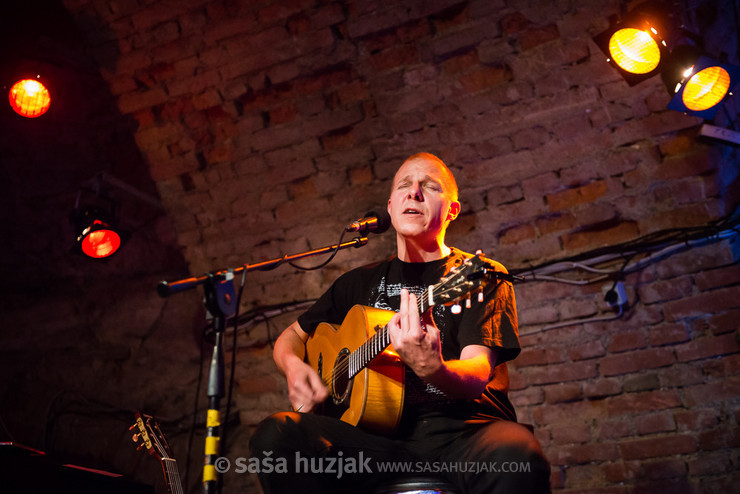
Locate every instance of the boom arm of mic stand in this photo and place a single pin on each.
(167, 288)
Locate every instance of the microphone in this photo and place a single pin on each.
(374, 221)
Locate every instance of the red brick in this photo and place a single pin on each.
(643, 402)
(484, 78)
(707, 346)
(516, 234)
(528, 396)
(697, 419)
(695, 261)
(575, 433)
(686, 165)
(725, 322)
(579, 195)
(667, 334)
(615, 429)
(555, 223)
(514, 23)
(622, 471)
(653, 423)
(533, 37)
(622, 342)
(657, 447)
(563, 392)
(460, 63)
(636, 361)
(396, 56)
(600, 388)
(587, 350)
(719, 438)
(539, 356)
(664, 469)
(660, 291)
(711, 463)
(600, 237)
(707, 280)
(562, 372)
(577, 454)
(680, 217)
(719, 391)
(566, 413)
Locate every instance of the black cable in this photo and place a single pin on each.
(336, 249)
(647, 242)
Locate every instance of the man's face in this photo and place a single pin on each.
(421, 201)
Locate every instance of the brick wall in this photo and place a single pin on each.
(268, 125)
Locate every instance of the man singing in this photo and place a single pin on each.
(456, 416)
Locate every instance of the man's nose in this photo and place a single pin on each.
(415, 192)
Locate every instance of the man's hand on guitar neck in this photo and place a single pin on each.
(416, 339)
(305, 389)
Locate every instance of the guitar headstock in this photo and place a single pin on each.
(149, 435)
(471, 276)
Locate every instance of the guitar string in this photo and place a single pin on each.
(343, 366)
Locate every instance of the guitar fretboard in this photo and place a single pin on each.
(378, 342)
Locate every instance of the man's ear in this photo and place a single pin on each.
(454, 210)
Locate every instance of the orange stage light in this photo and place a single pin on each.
(29, 98)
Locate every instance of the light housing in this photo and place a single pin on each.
(636, 45)
(96, 234)
(699, 84)
(29, 97)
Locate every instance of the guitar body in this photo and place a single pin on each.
(373, 398)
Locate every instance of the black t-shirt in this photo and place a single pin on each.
(492, 323)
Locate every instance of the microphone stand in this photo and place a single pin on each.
(220, 301)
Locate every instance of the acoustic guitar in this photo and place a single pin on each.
(357, 363)
(152, 438)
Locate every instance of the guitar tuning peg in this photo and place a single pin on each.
(132, 427)
(140, 447)
(456, 309)
(135, 438)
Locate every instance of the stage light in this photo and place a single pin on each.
(96, 232)
(636, 45)
(29, 97)
(699, 84)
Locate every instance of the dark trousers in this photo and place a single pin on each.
(324, 455)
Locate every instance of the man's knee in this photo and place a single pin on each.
(510, 439)
(274, 432)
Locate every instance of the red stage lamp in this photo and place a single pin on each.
(99, 240)
(96, 236)
(29, 98)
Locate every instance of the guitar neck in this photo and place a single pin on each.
(172, 476)
(377, 343)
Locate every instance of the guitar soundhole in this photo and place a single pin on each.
(340, 377)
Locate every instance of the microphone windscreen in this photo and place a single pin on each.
(384, 220)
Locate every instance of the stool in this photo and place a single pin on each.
(416, 484)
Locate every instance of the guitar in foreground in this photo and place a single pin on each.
(356, 362)
(152, 438)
